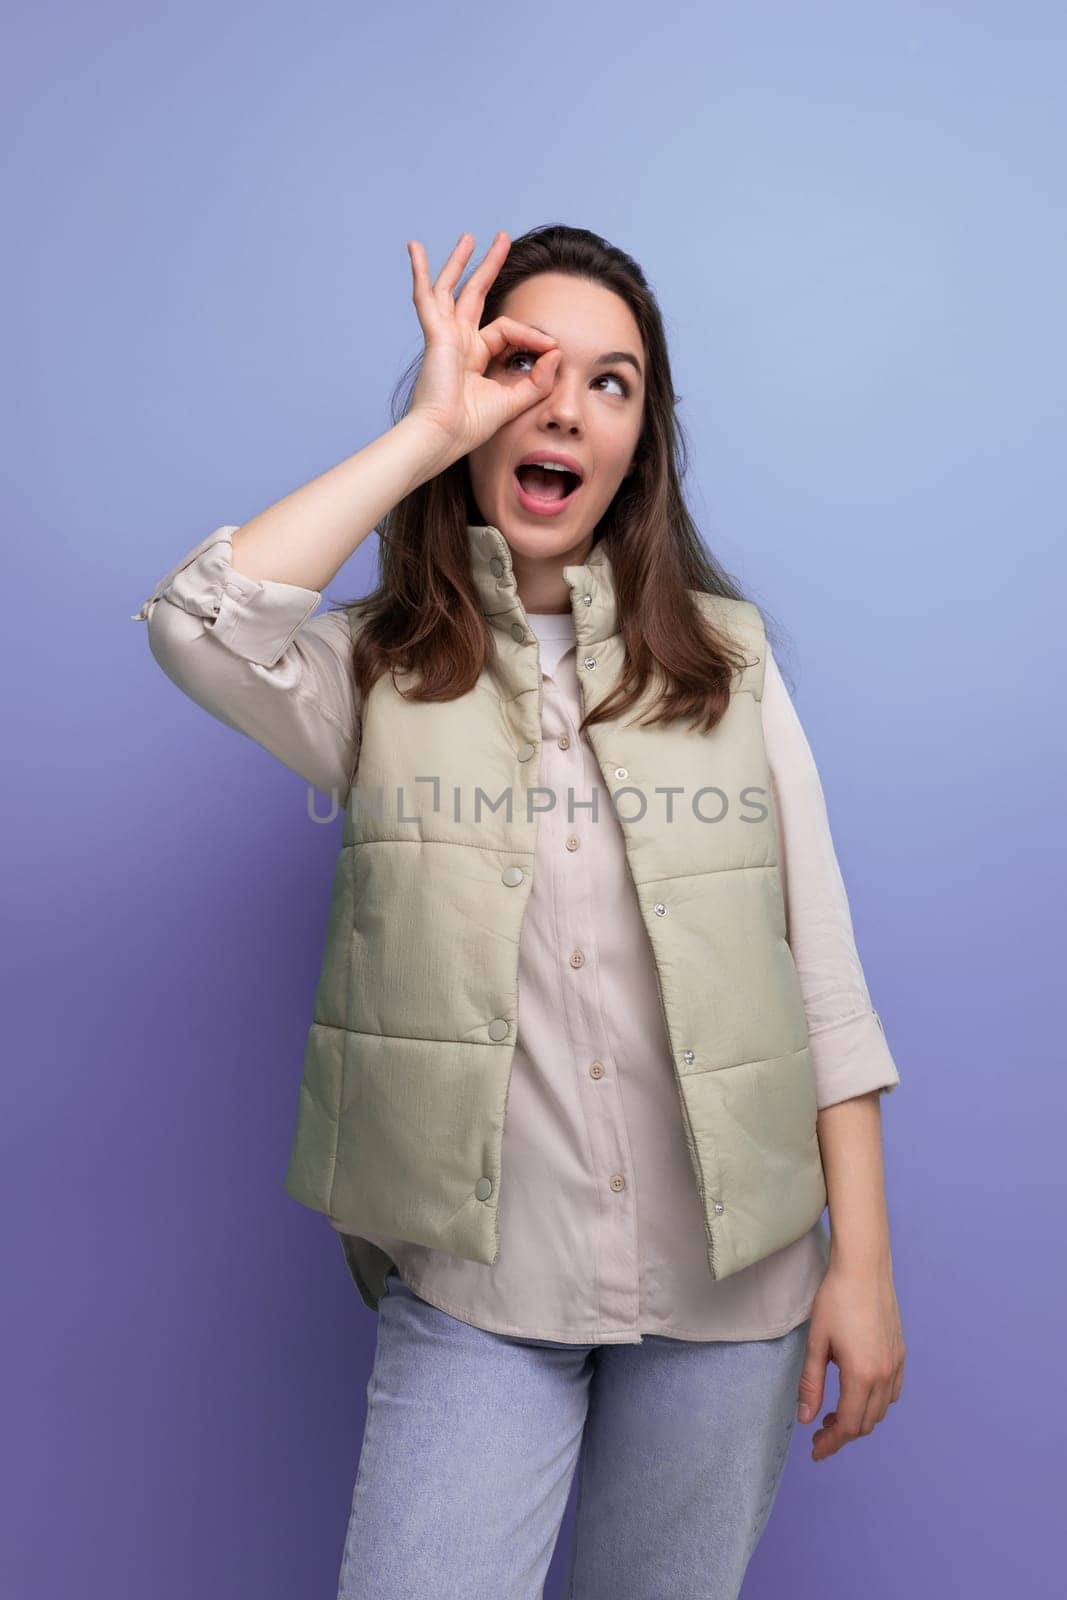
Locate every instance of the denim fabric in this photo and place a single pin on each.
(472, 1440)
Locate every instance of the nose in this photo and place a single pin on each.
(561, 410)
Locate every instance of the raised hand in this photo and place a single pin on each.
(453, 396)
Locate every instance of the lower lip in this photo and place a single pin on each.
(541, 508)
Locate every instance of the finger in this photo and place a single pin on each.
(452, 270)
(822, 1439)
(828, 1439)
(876, 1407)
(422, 293)
(852, 1402)
(534, 385)
(838, 1430)
(504, 333)
(812, 1379)
(470, 302)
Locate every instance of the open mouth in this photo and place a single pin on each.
(545, 491)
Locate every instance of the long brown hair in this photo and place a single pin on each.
(424, 618)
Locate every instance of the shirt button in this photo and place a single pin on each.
(564, 741)
(498, 1028)
(596, 1069)
(483, 1188)
(512, 876)
(577, 958)
(618, 1181)
(573, 843)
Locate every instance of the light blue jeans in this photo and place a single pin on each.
(472, 1439)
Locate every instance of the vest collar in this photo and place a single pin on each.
(592, 587)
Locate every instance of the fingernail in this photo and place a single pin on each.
(803, 1412)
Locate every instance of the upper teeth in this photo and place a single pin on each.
(551, 466)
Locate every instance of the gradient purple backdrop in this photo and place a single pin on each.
(855, 223)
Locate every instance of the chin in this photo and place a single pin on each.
(548, 541)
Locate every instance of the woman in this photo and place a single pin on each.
(602, 893)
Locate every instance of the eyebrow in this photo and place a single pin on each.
(608, 359)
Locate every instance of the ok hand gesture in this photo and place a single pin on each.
(453, 396)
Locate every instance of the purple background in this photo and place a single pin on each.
(854, 217)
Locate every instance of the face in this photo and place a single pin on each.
(593, 413)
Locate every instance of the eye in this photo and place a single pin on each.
(617, 377)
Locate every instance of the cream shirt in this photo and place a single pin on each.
(601, 1226)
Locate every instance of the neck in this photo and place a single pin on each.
(540, 582)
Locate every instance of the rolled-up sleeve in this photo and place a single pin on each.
(850, 1054)
(250, 652)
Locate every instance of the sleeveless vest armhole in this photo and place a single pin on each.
(743, 622)
(747, 627)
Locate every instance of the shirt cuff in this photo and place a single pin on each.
(851, 1058)
(254, 618)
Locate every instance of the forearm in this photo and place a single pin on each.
(306, 537)
(850, 1142)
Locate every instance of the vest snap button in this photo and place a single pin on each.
(622, 772)
(518, 631)
(483, 1188)
(498, 1028)
(496, 567)
(512, 876)
(525, 751)
(589, 663)
(689, 1056)
(587, 599)
(660, 909)
(719, 1205)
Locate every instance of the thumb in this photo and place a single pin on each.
(812, 1378)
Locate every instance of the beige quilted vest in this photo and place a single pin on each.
(405, 1078)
